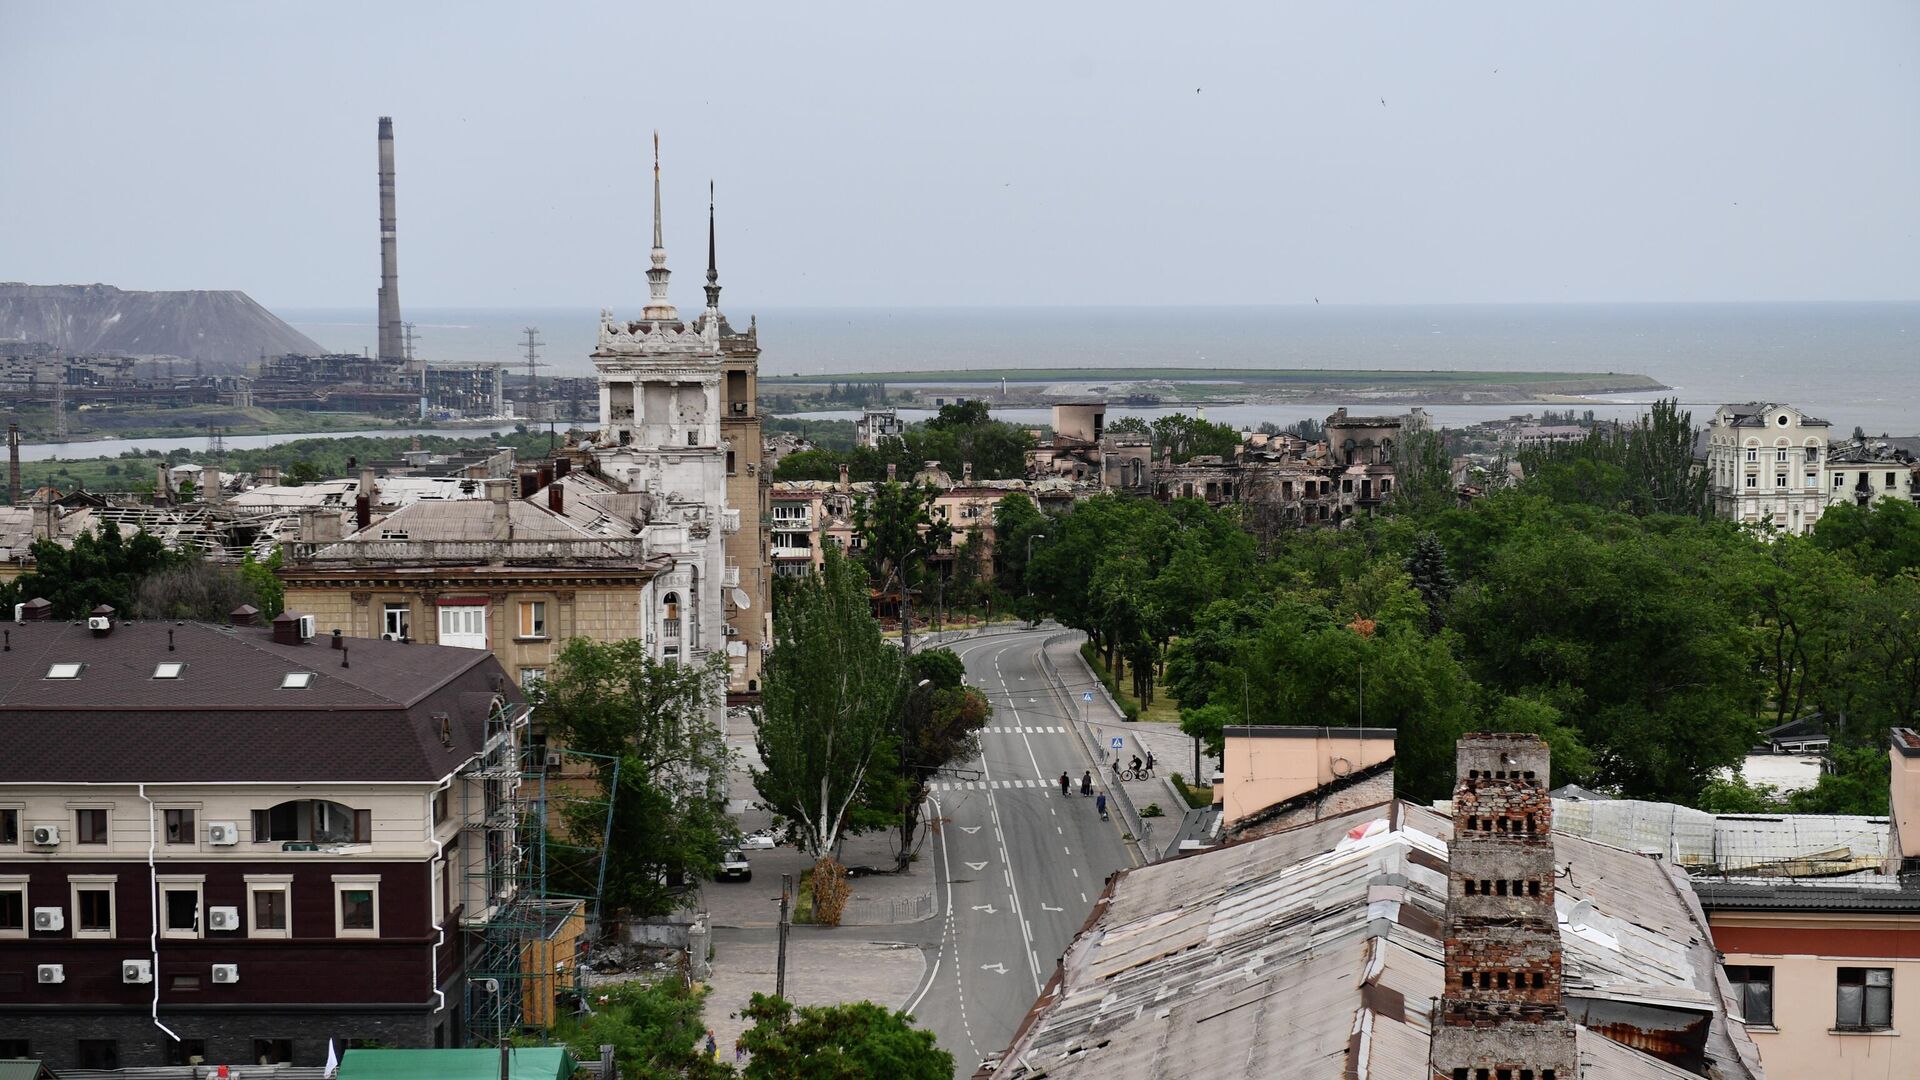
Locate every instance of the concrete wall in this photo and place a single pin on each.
(1268, 765)
(1806, 954)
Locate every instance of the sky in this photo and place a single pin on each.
(985, 154)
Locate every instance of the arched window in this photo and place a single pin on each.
(313, 821)
(670, 618)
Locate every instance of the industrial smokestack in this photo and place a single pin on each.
(13, 463)
(391, 344)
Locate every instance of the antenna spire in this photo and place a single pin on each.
(713, 262)
(659, 308)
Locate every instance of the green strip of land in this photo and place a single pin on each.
(1318, 377)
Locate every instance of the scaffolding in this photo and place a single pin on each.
(522, 936)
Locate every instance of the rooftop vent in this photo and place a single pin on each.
(296, 680)
(38, 609)
(65, 671)
(287, 629)
(100, 621)
(168, 670)
(244, 615)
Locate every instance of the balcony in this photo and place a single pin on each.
(801, 551)
(730, 577)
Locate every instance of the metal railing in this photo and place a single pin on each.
(628, 552)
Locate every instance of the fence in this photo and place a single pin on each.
(887, 910)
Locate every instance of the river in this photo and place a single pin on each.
(196, 445)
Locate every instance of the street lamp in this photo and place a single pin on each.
(1029, 567)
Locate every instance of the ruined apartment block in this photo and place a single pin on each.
(1502, 1016)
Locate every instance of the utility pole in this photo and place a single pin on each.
(406, 330)
(780, 970)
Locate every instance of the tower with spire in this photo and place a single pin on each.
(659, 308)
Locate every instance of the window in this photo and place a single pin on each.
(167, 669)
(531, 677)
(670, 625)
(1839, 480)
(356, 907)
(1753, 454)
(1753, 986)
(691, 437)
(267, 907)
(186, 1051)
(98, 1053)
(272, 1051)
(1752, 480)
(314, 821)
(464, 627)
(533, 619)
(729, 463)
(1890, 481)
(180, 827)
(396, 621)
(64, 671)
(1813, 454)
(1813, 480)
(1780, 480)
(9, 825)
(296, 680)
(13, 908)
(180, 903)
(14, 1048)
(1780, 455)
(1864, 999)
(90, 826)
(92, 905)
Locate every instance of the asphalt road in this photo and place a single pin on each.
(1020, 867)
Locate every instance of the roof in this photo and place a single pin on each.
(1318, 951)
(24, 1069)
(510, 532)
(1823, 896)
(227, 716)
(528, 1063)
(1782, 844)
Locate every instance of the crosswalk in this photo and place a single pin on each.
(1024, 730)
(990, 785)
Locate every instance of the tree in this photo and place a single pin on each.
(1186, 437)
(194, 589)
(860, 1041)
(940, 724)
(670, 823)
(655, 1030)
(830, 699)
(900, 535)
(1427, 566)
(958, 415)
(269, 592)
(1015, 520)
(100, 568)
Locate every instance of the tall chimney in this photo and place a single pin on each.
(391, 346)
(13, 463)
(1501, 1012)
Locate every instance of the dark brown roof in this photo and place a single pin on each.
(227, 716)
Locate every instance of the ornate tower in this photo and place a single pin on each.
(659, 308)
(1502, 1015)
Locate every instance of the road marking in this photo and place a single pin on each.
(988, 908)
(1001, 968)
(1044, 906)
(1076, 870)
(1083, 898)
(976, 867)
(969, 829)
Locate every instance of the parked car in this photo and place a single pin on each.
(762, 840)
(735, 867)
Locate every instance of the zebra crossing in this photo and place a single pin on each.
(1024, 730)
(989, 785)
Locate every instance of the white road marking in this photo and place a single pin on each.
(1001, 968)
(977, 866)
(1044, 906)
(988, 908)
(969, 829)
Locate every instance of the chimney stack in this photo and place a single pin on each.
(210, 485)
(244, 615)
(392, 347)
(561, 467)
(1501, 1012)
(13, 463)
(38, 609)
(162, 485)
(557, 498)
(845, 486)
(269, 476)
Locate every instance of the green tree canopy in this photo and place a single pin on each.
(100, 568)
(861, 1041)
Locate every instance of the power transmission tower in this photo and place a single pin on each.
(534, 365)
(216, 442)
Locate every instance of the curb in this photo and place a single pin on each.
(1129, 815)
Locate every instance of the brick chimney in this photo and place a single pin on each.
(561, 467)
(557, 498)
(844, 484)
(1501, 1013)
(210, 485)
(269, 476)
(162, 484)
(1903, 852)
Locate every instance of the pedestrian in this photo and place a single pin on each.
(713, 1046)
(1116, 770)
(1149, 760)
(1064, 782)
(740, 1049)
(1101, 803)
(1086, 782)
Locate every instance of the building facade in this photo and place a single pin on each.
(1765, 465)
(235, 843)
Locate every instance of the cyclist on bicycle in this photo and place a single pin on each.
(1135, 767)
(1064, 782)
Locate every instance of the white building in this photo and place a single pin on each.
(1864, 471)
(1764, 465)
(660, 438)
(875, 425)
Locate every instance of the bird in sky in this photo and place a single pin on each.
(1383, 102)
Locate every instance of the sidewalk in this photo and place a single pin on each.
(824, 967)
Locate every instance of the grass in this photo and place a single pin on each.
(1164, 709)
(1196, 797)
(1268, 376)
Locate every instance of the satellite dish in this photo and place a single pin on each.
(741, 600)
(1580, 915)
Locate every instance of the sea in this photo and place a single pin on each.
(1854, 364)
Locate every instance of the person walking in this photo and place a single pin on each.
(713, 1046)
(1086, 782)
(1149, 762)
(1064, 789)
(1101, 803)
(1116, 770)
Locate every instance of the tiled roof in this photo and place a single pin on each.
(1805, 896)
(227, 716)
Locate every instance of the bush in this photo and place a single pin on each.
(1196, 797)
(1153, 810)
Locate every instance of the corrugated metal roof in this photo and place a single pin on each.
(1316, 952)
(1805, 896)
(1786, 845)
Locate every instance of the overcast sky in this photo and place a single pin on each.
(1031, 153)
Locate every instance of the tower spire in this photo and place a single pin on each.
(713, 262)
(659, 308)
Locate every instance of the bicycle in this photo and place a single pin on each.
(1141, 773)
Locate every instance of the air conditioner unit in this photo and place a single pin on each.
(223, 918)
(306, 627)
(389, 637)
(99, 622)
(20, 615)
(49, 918)
(555, 760)
(223, 833)
(226, 973)
(740, 408)
(52, 973)
(46, 835)
(136, 971)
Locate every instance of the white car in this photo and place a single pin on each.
(734, 867)
(759, 841)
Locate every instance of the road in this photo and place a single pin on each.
(1019, 866)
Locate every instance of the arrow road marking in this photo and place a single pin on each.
(1000, 968)
(988, 908)
(970, 830)
(977, 866)
(1044, 906)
